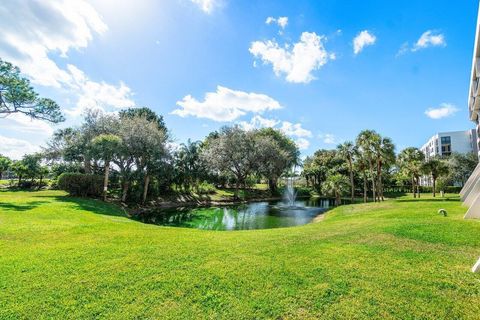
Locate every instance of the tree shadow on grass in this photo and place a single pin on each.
(429, 200)
(92, 205)
(21, 207)
(82, 204)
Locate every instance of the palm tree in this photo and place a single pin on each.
(410, 162)
(385, 157)
(347, 151)
(435, 168)
(361, 164)
(335, 184)
(368, 142)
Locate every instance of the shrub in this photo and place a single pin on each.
(206, 188)
(79, 184)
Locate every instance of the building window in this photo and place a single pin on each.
(445, 140)
(446, 146)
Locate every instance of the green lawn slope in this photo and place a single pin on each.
(70, 258)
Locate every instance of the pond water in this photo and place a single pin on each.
(254, 215)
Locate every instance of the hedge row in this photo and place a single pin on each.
(80, 184)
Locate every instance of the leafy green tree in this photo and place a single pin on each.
(410, 162)
(18, 96)
(148, 114)
(323, 162)
(435, 168)
(278, 153)
(105, 146)
(188, 164)
(461, 166)
(232, 152)
(19, 169)
(273, 161)
(146, 143)
(5, 164)
(347, 151)
(32, 163)
(335, 184)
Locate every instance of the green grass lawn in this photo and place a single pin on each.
(70, 258)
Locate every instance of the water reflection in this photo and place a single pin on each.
(255, 215)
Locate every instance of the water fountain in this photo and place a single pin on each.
(289, 194)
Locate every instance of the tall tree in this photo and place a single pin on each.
(5, 164)
(368, 142)
(146, 143)
(232, 152)
(385, 155)
(18, 96)
(279, 154)
(435, 168)
(410, 162)
(347, 151)
(105, 146)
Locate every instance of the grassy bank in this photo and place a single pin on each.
(62, 257)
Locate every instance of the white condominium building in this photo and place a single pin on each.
(445, 143)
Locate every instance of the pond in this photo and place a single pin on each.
(254, 215)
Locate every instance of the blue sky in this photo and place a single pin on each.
(203, 64)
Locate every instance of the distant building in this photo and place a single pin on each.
(444, 144)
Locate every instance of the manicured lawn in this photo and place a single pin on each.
(72, 258)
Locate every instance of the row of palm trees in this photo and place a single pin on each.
(371, 154)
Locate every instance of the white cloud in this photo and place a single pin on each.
(258, 122)
(297, 62)
(100, 95)
(403, 49)
(443, 111)
(295, 130)
(328, 138)
(225, 105)
(302, 143)
(39, 29)
(16, 148)
(24, 124)
(430, 39)
(280, 21)
(362, 40)
(206, 6)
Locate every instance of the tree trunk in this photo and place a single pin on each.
(337, 198)
(87, 165)
(418, 187)
(105, 180)
(413, 188)
(352, 196)
(145, 188)
(125, 190)
(364, 187)
(433, 187)
(272, 185)
(374, 189)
